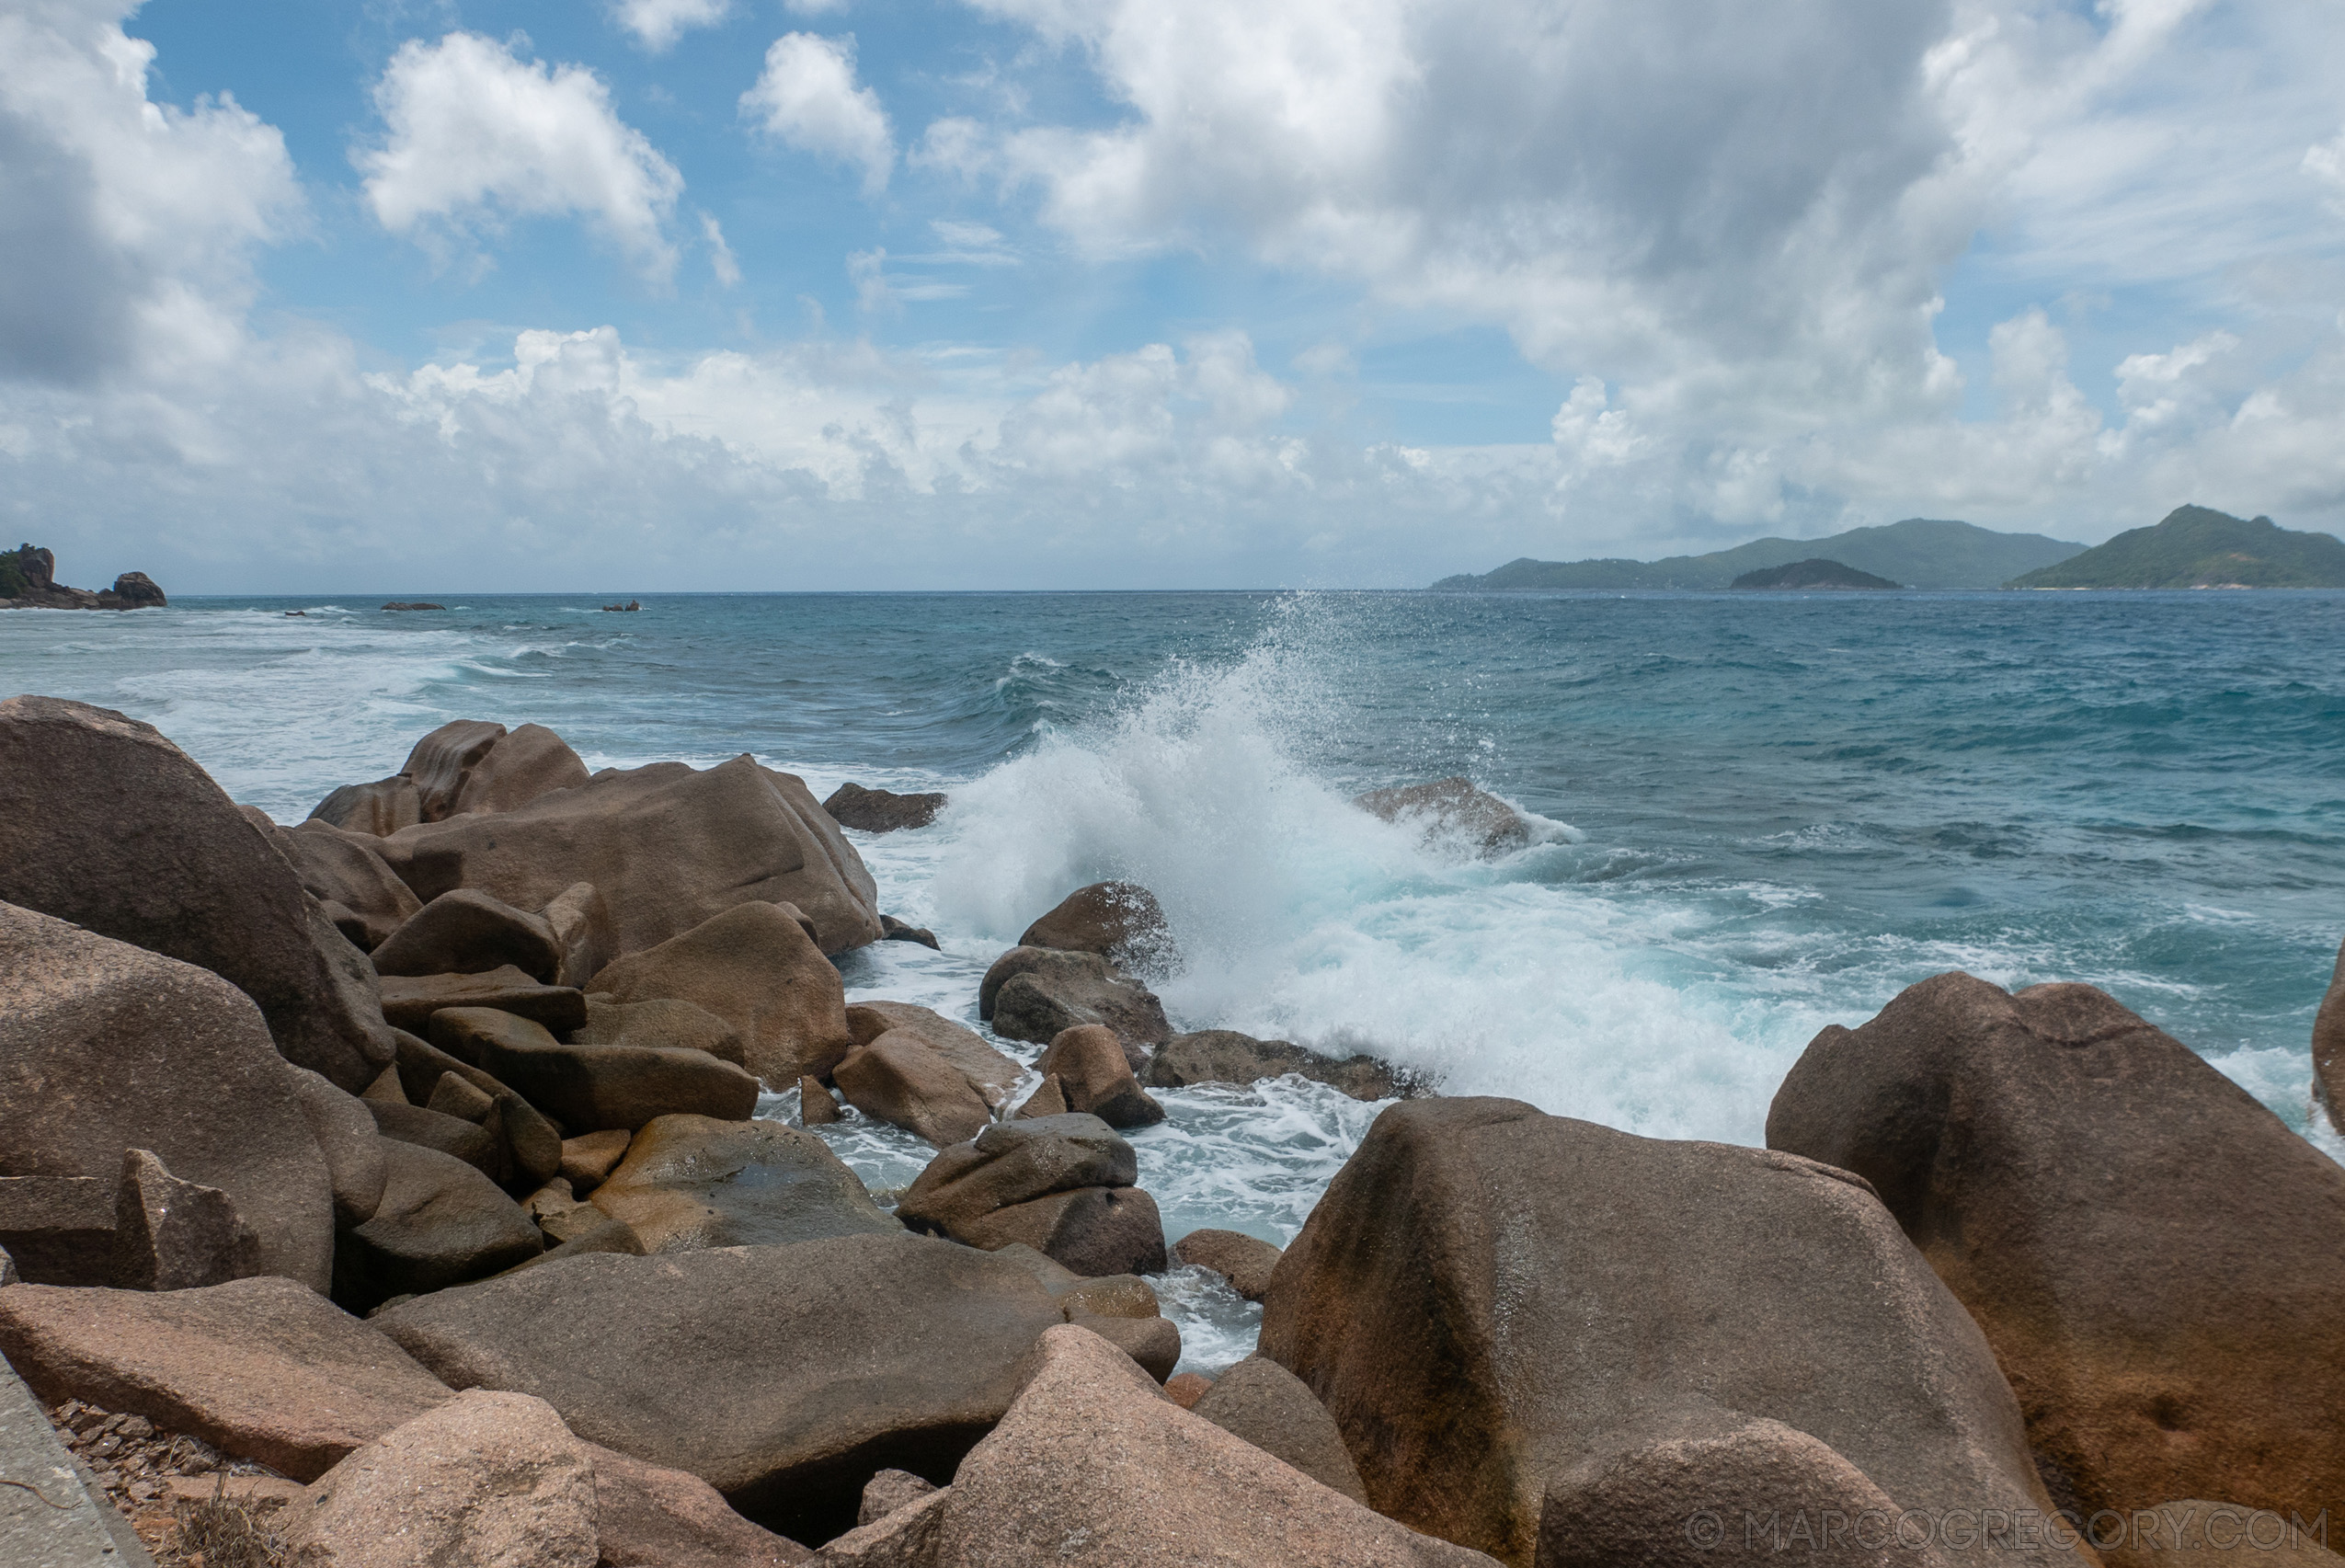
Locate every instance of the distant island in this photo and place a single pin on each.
(2199, 547)
(29, 581)
(1922, 551)
(1811, 574)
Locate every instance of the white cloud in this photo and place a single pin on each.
(721, 260)
(806, 97)
(474, 135)
(127, 228)
(2325, 161)
(657, 24)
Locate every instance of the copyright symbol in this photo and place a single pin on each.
(1704, 1530)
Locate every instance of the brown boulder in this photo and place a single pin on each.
(784, 1377)
(2328, 1047)
(815, 1105)
(650, 1516)
(377, 809)
(1244, 1261)
(261, 1368)
(465, 931)
(441, 761)
(899, 1080)
(1013, 1163)
(1093, 1231)
(408, 1001)
(1268, 1406)
(1452, 807)
(990, 1073)
(532, 1145)
(671, 1025)
(1089, 1063)
(106, 1047)
(2157, 1260)
(669, 847)
(888, 1491)
(1036, 993)
(754, 967)
(1093, 1467)
(484, 1480)
(174, 1235)
(592, 1088)
(1224, 1055)
(104, 823)
(344, 1129)
(529, 762)
(689, 1183)
(440, 1222)
(423, 1128)
(589, 1158)
(1121, 921)
(1048, 1099)
(579, 917)
(881, 810)
(1487, 1298)
(341, 869)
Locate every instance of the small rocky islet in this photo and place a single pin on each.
(387, 1189)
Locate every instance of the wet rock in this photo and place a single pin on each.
(669, 847)
(990, 1073)
(1093, 1231)
(815, 1107)
(899, 1081)
(1244, 1261)
(1224, 1055)
(592, 1088)
(484, 1480)
(1049, 1099)
(590, 1158)
(1452, 807)
(651, 1516)
(440, 1223)
(1013, 1163)
(1093, 1466)
(670, 1025)
(1268, 1406)
(464, 932)
(880, 810)
(408, 1001)
(106, 824)
(1488, 1298)
(2157, 1260)
(754, 967)
(1121, 921)
(785, 1377)
(172, 1235)
(689, 1183)
(377, 809)
(1036, 994)
(2328, 1047)
(106, 1047)
(893, 929)
(341, 869)
(263, 1368)
(1095, 1079)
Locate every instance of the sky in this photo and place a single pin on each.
(382, 295)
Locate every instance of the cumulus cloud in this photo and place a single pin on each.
(474, 135)
(806, 97)
(657, 24)
(127, 228)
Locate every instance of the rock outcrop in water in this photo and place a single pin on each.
(29, 581)
(1451, 809)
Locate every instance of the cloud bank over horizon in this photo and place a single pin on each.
(682, 294)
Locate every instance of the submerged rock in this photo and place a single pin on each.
(1244, 1261)
(1224, 1055)
(1452, 807)
(880, 810)
(2158, 1261)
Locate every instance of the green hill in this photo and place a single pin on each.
(1923, 552)
(1817, 574)
(2199, 547)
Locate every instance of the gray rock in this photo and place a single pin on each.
(421, 1127)
(339, 867)
(1452, 807)
(53, 1517)
(440, 1223)
(376, 809)
(174, 1235)
(408, 1001)
(532, 1145)
(1268, 1406)
(888, 1491)
(466, 931)
(345, 1135)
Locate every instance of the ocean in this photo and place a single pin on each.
(1757, 814)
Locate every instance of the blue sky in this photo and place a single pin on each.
(866, 293)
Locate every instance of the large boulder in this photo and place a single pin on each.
(1036, 993)
(355, 1167)
(668, 846)
(664, 1023)
(899, 1080)
(1093, 1467)
(1488, 1298)
(261, 1368)
(688, 1183)
(465, 931)
(593, 1088)
(409, 1000)
(784, 1377)
(1094, 1076)
(484, 1480)
(755, 968)
(440, 1223)
(377, 810)
(1224, 1055)
(106, 1047)
(1121, 921)
(530, 1146)
(1268, 1406)
(104, 823)
(881, 810)
(1061, 1185)
(650, 1516)
(342, 872)
(2157, 1260)
(171, 1234)
(2328, 1047)
(990, 1074)
(1246, 1262)
(1453, 809)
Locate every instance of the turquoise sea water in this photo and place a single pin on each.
(1762, 813)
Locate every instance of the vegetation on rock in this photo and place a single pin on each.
(1924, 552)
(2200, 547)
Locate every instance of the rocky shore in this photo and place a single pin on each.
(29, 581)
(389, 1190)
